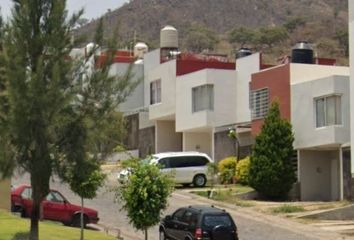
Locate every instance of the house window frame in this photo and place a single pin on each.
(208, 105)
(155, 92)
(259, 106)
(338, 113)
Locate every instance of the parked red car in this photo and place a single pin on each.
(55, 207)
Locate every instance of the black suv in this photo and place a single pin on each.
(198, 223)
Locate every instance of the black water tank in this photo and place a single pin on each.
(243, 52)
(302, 53)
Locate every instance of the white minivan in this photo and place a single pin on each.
(186, 167)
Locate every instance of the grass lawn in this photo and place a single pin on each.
(228, 194)
(16, 228)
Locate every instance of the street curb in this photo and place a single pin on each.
(293, 226)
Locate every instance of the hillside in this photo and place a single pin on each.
(145, 18)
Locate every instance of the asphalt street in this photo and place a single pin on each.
(251, 225)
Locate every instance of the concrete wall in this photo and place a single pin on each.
(165, 110)
(224, 82)
(5, 194)
(146, 141)
(277, 80)
(306, 72)
(225, 146)
(167, 139)
(303, 112)
(351, 64)
(136, 99)
(245, 66)
(198, 141)
(319, 175)
(151, 61)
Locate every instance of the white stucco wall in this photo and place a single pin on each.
(136, 99)
(306, 72)
(151, 61)
(351, 60)
(224, 82)
(245, 67)
(167, 107)
(303, 112)
(167, 139)
(201, 142)
(319, 175)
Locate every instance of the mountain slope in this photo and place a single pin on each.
(144, 18)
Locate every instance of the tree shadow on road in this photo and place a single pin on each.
(21, 236)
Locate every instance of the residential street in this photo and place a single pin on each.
(251, 225)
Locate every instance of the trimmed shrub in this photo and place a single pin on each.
(271, 170)
(227, 169)
(242, 171)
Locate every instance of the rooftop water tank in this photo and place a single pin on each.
(140, 49)
(169, 37)
(302, 52)
(243, 52)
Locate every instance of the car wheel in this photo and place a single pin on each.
(162, 235)
(76, 222)
(199, 180)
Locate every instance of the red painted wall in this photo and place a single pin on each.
(188, 66)
(277, 80)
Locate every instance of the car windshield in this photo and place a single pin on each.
(216, 220)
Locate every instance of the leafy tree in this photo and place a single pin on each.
(270, 36)
(199, 38)
(293, 23)
(145, 196)
(85, 178)
(271, 172)
(343, 40)
(51, 106)
(242, 36)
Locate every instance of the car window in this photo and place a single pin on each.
(216, 220)
(190, 218)
(194, 161)
(178, 215)
(164, 163)
(27, 193)
(55, 197)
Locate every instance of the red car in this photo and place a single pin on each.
(55, 207)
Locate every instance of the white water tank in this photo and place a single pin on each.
(169, 37)
(140, 49)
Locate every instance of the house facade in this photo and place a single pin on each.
(315, 99)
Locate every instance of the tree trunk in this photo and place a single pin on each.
(82, 219)
(34, 231)
(146, 234)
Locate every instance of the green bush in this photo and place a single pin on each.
(271, 170)
(227, 169)
(242, 171)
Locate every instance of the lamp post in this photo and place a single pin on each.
(233, 135)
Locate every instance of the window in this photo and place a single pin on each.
(328, 111)
(155, 92)
(215, 220)
(55, 197)
(196, 161)
(259, 101)
(27, 193)
(177, 216)
(203, 98)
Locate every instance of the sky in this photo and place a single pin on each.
(93, 8)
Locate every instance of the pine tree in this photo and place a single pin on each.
(271, 171)
(51, 106)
